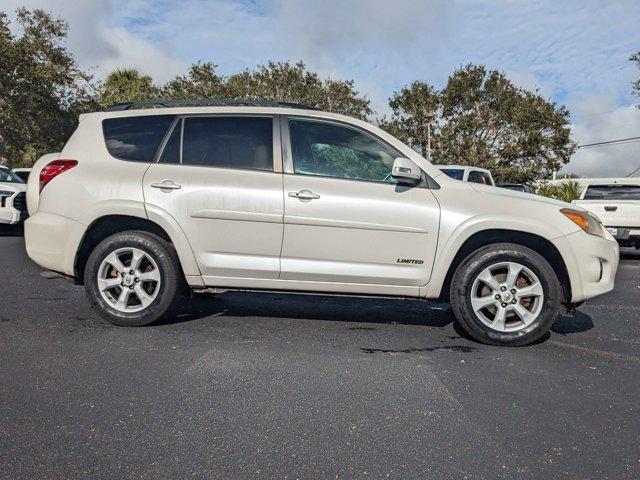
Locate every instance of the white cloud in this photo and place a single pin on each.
(597, 122)
(100, 47)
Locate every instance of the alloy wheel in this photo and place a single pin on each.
(129, 279)
(507, 297)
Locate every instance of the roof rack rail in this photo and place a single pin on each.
(203, 102)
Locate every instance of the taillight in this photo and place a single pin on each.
(53, 169)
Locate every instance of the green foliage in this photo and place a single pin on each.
(42, 88)
(566, 191)
(485, 120)
(413, 109)
(636, 85)
(126, 84)
(201, 81)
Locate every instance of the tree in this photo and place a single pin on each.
(286, 82)
(485, 120)
(126, 84)
(201, 81)
(42, 89)
(566, 191)
(636, 85)
(413, 108)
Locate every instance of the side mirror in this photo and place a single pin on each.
(406, 171)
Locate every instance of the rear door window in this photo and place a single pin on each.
(612, 192)
(228, 142)
(135, 138)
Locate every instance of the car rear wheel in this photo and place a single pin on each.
(133, 278)
(505, 294)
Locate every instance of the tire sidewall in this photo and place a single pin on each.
(475, 264)
(168, 285)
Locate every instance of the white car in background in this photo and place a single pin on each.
(468, 174)
(143, 202)
(617, 205)
(13, 202)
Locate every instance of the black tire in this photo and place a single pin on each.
(472, 266)
(170, 291)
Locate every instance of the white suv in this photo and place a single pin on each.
(253, 196)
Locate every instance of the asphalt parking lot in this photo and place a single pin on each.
(294, 386)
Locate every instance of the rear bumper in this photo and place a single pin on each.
(592, 263)
(52, 241)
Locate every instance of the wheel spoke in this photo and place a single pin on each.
(143, 296)
(123, 299)
(488, 279)
(113, 260)
(136, 258)
(500, 318)
(478, 303)
(534, 290)
(514, 272)
(108, 283)
(151, 276)
(525, 315)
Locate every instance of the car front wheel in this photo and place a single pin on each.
(133, 278)
(505, 294)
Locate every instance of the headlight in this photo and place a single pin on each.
(585, 221)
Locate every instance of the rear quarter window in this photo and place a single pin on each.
(612, 192)
(135, 138)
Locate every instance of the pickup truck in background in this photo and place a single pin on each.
(618, 207)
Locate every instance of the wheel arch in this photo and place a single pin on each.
(535, 242)
(107, 225)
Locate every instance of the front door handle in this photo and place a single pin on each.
(304, 195)
(166, 185)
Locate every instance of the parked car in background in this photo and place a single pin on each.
(618, 207)
(143, 202)
(13, 205)
(23, 173)
(468, 174)
(518, 187)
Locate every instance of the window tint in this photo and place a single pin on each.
(135, 138)
(456, 173)
(229, 142)
(332, 150)
(171, 152)
(479, 177)
(612, 192)
(8, 176)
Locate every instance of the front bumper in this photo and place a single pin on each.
(591, 261)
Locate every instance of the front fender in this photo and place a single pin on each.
(452, 238)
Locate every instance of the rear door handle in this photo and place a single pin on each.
(166, 185)
(610, 209)
(304, 195)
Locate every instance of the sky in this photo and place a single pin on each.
(573, 52)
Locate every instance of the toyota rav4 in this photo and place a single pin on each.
(143, 203)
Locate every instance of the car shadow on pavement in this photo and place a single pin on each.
(565, 325)
(12, 230)
(313, 307)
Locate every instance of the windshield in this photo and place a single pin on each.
(612, 192)
(8, 176)
(456, 173)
